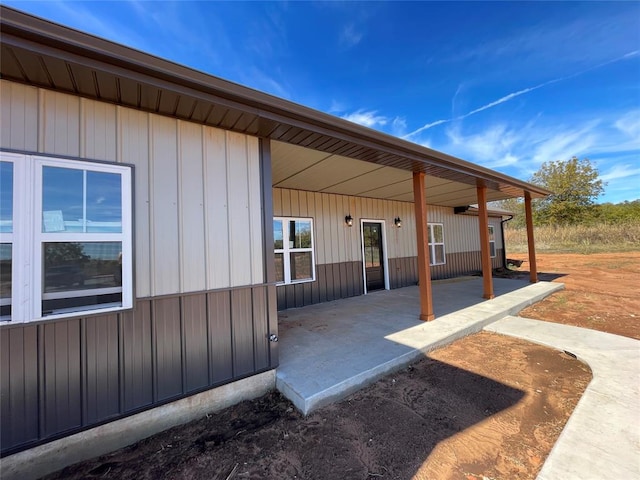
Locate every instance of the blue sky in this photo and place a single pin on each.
(506, 85)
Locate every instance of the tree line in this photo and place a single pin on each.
(576, 185)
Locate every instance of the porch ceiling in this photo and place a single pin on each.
(300, 168)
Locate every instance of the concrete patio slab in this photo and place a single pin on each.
(602, 437)
(330, 350)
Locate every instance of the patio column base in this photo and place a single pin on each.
(488, 296)
(427, 318)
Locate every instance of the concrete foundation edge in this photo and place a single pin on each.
(53, 456)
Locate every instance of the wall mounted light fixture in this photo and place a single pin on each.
(348, 220)
(397, 222)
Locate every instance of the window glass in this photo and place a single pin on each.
(439, 254)
(81, 273)
(277, 234)
(438, 234)
(279, 267)
(81, 201)
(5, 280)
(104, 202)
(299, 234)
(62, 199)
(301, 266)
(6, 197)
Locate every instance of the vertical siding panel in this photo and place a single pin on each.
(19, 385)
(277, 202)
(62, 383)
(321, 281)
(102, 388)
(336, 246)
(239, 218)
(168, 354)
(220, 338)
(133, 147)
(164, 207)
(18, 116)
(191, 211)
(194, 324)
(302, 199)
(260, 328)
(98, 140)
(216, 209)
(137, 356)
(294, 205)
(242, 332)
(60, 123)
(281, 296)
(318, 227)
(255, 211)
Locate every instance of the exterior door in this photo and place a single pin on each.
(373, 255)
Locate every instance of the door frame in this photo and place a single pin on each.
(385, 260)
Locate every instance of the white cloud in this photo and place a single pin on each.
(350, 36)
(566, 142)
(620, 171)
(367, 118)
(629, 124)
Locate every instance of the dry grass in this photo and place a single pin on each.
(577, 238)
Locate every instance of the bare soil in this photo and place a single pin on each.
(602, 291)
(486, 406)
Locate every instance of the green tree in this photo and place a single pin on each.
(575, 185)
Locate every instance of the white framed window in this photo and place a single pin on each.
(492, 241)
(67, 237)
(436, 244)
(293, 249)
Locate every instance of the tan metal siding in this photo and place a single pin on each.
(239, 218)
(18, 116)
(163, 173)
(255, 210)
(98, 130)
(59, 124)
(133, 147)
(191, 214)
(217, 238)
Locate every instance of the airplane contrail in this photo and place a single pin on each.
(513, 95)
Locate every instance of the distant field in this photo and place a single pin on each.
(577, 238)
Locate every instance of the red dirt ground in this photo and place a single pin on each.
(602, 291)
(486, 406)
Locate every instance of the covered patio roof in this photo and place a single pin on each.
(311, 150)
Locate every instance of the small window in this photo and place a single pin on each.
(492, 241)
(293, 249)
(436, 244)
(80, 253)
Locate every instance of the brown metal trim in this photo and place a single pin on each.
(485, 254)
(531, 243)
(424, 273)
(267, 243)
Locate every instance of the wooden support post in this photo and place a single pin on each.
(485, 253)
(531, 244)
(424, 273)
